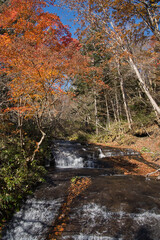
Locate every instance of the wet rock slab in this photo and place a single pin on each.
(127, 193)
(117, 207)
(58, 181)
(114, 206)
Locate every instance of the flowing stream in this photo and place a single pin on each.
(114, 206)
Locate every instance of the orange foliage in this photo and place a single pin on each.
(77, 186)
(34, 52)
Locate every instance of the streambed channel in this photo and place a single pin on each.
(114, 206)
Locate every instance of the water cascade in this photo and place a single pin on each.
(73, 155)
(32, 220)
(66, 155)
(114, 206)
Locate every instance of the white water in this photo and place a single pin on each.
(115, 153)
(32, 220)
(92, 211)
(70, 156)
(73, 155)
(93, 216)
(101, 154)
(66, 155)
(90, 237)
(64, 159)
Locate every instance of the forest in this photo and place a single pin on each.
(103, 86)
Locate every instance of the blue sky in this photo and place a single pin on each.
(67, 18)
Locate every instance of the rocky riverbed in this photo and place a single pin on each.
(116, 204)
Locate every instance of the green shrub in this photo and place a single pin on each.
(145, 150)
(80, 136)
(143, 119)
(17, 175)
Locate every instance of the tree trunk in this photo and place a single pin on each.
(107, 111)
(125, 104)
(114, 111)
(20, 123)
(152, 101)
(124, 99)
(38, 145)
(117, 105)
(40, 142)
(95, 112)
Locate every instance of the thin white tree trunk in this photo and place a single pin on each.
(95, 112)
(152, 101)
(125, 103)
(124, 98)
(117, 105)
(107, 110)
(20, 124)
(114, 111)
(41, 140)
(38, 145)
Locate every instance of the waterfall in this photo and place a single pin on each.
(66, 155)
(101, 154)
(72, 155)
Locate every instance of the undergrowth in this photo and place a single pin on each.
(19, 175)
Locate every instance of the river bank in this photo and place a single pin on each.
(148, 146)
